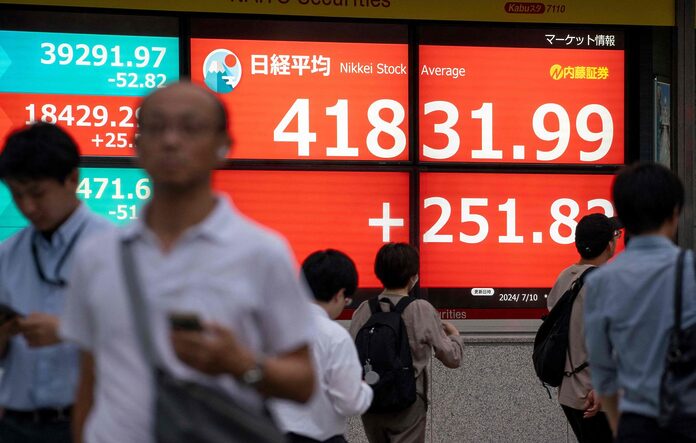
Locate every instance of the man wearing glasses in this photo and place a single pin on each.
(39, 166)
(595, 241)
(248, 321)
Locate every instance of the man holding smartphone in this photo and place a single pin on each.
(39, 166)
(247, 322)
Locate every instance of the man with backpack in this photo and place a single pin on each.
(595, 240)
(396, 335)
(629, 307)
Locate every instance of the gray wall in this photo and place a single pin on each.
(493, 397)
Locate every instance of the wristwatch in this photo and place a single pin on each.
(253, 376)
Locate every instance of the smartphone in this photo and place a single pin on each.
(7, 313)
(185, 321)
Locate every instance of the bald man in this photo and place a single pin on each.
(196, 254)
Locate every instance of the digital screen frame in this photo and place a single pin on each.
(402, 44)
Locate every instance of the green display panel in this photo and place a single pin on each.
(116, 194)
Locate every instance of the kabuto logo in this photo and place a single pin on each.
(222, 71)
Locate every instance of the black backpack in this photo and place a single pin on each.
(551, 341)
(383, 349)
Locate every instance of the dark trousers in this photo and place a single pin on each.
(589, 430)
(297, 438)
(407, 426)
(635, 428)
(26, 431)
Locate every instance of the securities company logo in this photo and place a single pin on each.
(222, 71)
(556, 72)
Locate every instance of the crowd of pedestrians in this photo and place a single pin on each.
(96, 320)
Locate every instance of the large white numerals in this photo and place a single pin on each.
(445, 128)
(50, 53)
(98, 55)
(604, 204)
(142, 189)
(340, 111)
(391, 128)
(561, 219)
(485, 113)
(303, 137)
(564, 211)
(510, 209)
(480, 220)
(432, 235)
(568, 220)
(562, 134)
(550, 122)
(606, 134)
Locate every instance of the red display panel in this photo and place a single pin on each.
(319, 210)
(101, 125)
(500, 240)
(309, 100)
(521, 105)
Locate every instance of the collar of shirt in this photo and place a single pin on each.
(65, 233)
(650, 242)
(214, 227)
(318, 311)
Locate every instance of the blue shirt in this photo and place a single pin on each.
(40, 377)
(629, 312)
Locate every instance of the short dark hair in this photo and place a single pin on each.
(593, 234)
(395, 264)
(329, 271)
(39, 151)
(646, 195)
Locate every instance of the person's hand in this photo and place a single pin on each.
(8, 330)
(39, 329)
(213, 351)
(592, 405)
(449, 328)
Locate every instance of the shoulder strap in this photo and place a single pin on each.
(678, 277)
(403, 303)
(578, 283)
(137, 302)
(586, 272)
(375, 307)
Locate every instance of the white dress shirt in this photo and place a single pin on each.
(339, 392)
(226, 269)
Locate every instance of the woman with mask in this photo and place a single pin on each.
(396, 267)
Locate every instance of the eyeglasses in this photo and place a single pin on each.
(617, 234)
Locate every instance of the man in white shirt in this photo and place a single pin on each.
(340, 391)
(193, 252)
